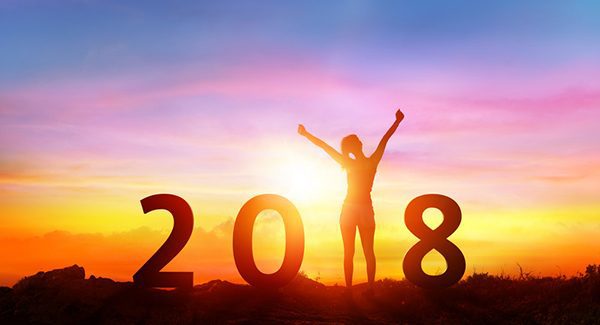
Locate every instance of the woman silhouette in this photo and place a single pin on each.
(357, 211)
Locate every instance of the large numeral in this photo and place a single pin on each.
(149, 274)
(433, 239)
(242, 241)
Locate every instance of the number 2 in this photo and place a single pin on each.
(149, 274)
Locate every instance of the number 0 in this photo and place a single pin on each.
(242, 241)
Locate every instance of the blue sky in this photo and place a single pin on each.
(44, 38)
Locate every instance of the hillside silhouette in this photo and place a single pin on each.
(66, 296)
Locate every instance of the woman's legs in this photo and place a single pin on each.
(348, 236)
(367, 233)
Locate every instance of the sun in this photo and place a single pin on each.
(305, 180)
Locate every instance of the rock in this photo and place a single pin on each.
(51, 278)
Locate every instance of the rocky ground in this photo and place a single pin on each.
(65, 296)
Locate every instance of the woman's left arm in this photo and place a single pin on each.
(386, 137)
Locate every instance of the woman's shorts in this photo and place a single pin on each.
(357, 215)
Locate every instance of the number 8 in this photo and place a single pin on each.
(433, 239)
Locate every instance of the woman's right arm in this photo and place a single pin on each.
(321, 144)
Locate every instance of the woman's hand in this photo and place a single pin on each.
(301, 130)
(399, 116)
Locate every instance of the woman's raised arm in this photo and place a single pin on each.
(381, 147)
(321, 144)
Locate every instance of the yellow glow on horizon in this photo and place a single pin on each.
(101, 216)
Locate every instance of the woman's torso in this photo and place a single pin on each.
(360, 176)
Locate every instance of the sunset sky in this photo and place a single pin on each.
(103, 103)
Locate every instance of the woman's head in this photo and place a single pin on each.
(351, 145)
